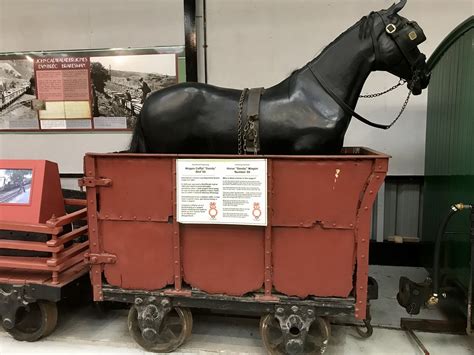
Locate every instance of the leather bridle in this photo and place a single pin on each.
(399, 35)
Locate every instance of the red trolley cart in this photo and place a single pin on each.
(309, 262)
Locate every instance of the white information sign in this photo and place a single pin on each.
(222, 191)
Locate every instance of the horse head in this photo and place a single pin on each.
(395, 40)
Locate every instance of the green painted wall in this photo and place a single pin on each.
(449, 161)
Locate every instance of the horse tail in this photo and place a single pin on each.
(137, 145)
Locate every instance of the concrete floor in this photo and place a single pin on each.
(83, 331)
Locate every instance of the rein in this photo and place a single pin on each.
(349, 110)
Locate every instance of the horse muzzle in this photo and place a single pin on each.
(421, 76)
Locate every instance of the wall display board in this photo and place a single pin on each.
(222, 191)
(83, 90)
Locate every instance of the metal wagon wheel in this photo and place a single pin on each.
(315, 343)
(35, 321)
(175, 329)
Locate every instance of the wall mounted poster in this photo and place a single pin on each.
(83, 90)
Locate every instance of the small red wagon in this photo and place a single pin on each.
(308, 262)
(41, 247)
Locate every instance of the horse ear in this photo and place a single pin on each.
(395, 8)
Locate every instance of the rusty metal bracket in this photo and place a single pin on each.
(96, 259)
(93, 182)
(294, 323)
(151, 313)
(10, 302)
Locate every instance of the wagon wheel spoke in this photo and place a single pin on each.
(173, 321)
(168, 335)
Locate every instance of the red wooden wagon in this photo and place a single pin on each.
(308, 263)
(41, 253)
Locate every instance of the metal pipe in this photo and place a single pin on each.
(437, 251)
(471, 279)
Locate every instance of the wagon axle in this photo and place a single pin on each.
(158, 326)
(295, 330)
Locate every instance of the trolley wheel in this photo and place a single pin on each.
(175, 328)
(315, 343)
(365, 333)
(35, 321)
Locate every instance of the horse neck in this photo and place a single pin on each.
(345, 65)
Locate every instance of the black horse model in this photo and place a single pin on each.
(307, 113)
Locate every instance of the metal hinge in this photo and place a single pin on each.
(95, 259)
(93, 182)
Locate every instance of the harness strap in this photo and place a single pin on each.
(342, 104)
(251, 130)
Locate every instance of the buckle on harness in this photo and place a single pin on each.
(390, 28)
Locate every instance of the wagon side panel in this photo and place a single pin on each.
(135, 214)
(315, 206)
(223, 259)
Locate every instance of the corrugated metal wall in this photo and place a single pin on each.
(399, 211)
(450, 126)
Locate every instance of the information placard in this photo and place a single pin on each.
(222, 191)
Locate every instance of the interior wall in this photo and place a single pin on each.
(27, 25)
(258, 43)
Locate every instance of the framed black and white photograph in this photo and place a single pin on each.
(17, 90)
(120, 85)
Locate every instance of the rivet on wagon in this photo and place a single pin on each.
(90, 172)
(176, 277)
(377, 177)
(149, 218)
(351, 225)
(268, 280)
(93, 216)
(106, 216)
(280, 310)
(362, 256)
(294, 309)
(134, 217)
(363, 239)
(371, 192)
(91, 201)
(357, 309)
(361, 288)
(94, 244)
(360, 302)
(176, 262)
(334, 224)
(366, 208)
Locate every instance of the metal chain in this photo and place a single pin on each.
(255, 140)
(369, 96)
(246, 132)
(401, 111)
(239, 122)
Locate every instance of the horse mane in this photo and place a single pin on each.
(366, 23)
